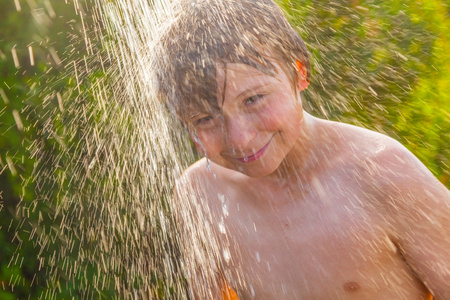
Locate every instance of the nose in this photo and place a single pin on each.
(239, 132)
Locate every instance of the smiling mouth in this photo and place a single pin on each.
(255, 156)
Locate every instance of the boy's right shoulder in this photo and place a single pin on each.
(196, 176)
(197, 188)
(196, 171)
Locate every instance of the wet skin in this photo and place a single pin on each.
(315, 209)
(253, 122)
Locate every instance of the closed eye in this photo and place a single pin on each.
(203, 121)
(254, 99)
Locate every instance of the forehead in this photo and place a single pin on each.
(236, 71)
(235, 78)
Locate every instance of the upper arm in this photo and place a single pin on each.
(419, 218)
(197, 240)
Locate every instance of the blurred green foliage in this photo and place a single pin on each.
(383, 65)
(378, 64)
(39, 42)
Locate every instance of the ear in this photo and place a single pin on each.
(302, 76)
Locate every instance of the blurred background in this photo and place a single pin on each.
(383, 65)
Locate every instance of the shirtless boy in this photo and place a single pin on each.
(285, 205)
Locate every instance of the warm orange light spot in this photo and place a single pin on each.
(228, 293)
(302, 76)
(300, 69)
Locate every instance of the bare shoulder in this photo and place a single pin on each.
(414, 205)
(206, 177)
(385, 164)
(198, 186)
(383, 155)
(194, 215)
(390, 163)
(358, 141)
(195, 178)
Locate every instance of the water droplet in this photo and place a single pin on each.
(222, 227)
(18, 7)
(258, 258)
(225, 210)
(208, 164)
(226, 255)
(252, 291)
(30, 52)
(221, 197)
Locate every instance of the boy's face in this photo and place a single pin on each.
(258, 124)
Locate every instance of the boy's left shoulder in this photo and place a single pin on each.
(415, 205)
(392, 163)
(379, 153)
(385, 162)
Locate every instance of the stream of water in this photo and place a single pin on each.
(115, 151)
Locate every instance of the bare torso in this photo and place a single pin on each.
(322, 237)
(333, 246)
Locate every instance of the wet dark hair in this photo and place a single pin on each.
(206, 33)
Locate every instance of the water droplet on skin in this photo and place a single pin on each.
(221, 197)
(252, 291)
(226, 255)
(224, 202)
(222, 228)
(208, 162)
(208, 165)
(258, 258)
(225, 210)
(198, 141)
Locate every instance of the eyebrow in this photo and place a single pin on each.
(252, 88)
(194, 115)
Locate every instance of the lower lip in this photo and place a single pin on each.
(254, 156)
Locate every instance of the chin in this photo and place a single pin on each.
(257, 170)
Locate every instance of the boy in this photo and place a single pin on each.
(285, 205)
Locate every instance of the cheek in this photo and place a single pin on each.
(199, 146)
(271, 121)
(207, 142)
(281, 116)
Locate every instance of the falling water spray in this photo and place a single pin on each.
(105, 153)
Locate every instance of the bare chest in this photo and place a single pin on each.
(330, 249)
